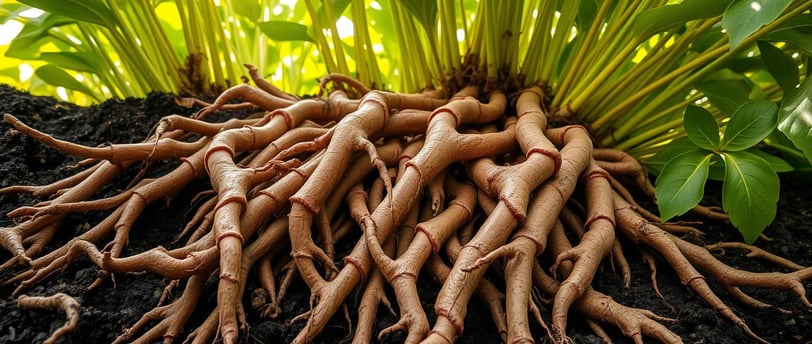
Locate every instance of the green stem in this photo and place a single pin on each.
(410, 66)
(338, 46)
(514, 21)
(652, 147)
(715, 59)
(464, 23)
(324, 47)
(359, 28)
(563, 87)
(448, 36)
(605, 48)
(489, 63)
(562, 33)
(682, 70)
(123, 37)
(598, 81)
(537, 55)
(656, 131)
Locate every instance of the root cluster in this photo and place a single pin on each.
(454, 186)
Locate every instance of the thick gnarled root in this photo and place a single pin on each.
(476, 191)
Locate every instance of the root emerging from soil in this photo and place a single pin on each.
(455, 186)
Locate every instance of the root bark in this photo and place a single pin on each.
(475, 190)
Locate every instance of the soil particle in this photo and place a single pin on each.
(119, 303)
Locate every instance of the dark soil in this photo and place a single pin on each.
(114, 306)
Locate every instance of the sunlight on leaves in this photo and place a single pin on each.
(744, 17)
(795, 118)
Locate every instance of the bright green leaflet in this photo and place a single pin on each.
(681, 184)
(749, 193)
(751, 123)
(701, 127)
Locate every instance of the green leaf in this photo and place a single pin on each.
(670, 151)
(90, 11)
(587, 11)
(749, 193)
(424, 10)
(681, 185)
(35, 34)
(776, 163)
(796, 37)
(78, 61)
(781, 66)
(10, 10)
(338, 9)
(726, 90)
(58, 77)
(795, 117)
(249, 9)
(797, 31)
(663, 18)
(743, 17)
(278, 30)
(12, 72)
(701, 127)
(751, 123)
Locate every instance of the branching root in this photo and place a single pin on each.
(373, 192)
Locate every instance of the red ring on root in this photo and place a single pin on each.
(458, 326)
(230, 234)
(468, 211)
(567, 128)
(229, 199)
(373, 97)
(229, 277)
(519, 214)
(251, 129)
(599, 217)
(416, 168)
(302, 200)
(285, 116)
(215, 149)
(529, 112)
(448, 340)
(408, 274)
(482, 254)
(277, 201)
(556, 156)
(535, 90)
(363, 194)
(444, 109)
(185, 160)
(420, 228)
(539, 246)
(299, 172)
(360, 267)
(599, 173)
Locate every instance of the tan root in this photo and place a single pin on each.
(475, 190)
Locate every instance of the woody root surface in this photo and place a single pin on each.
(473, 188)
